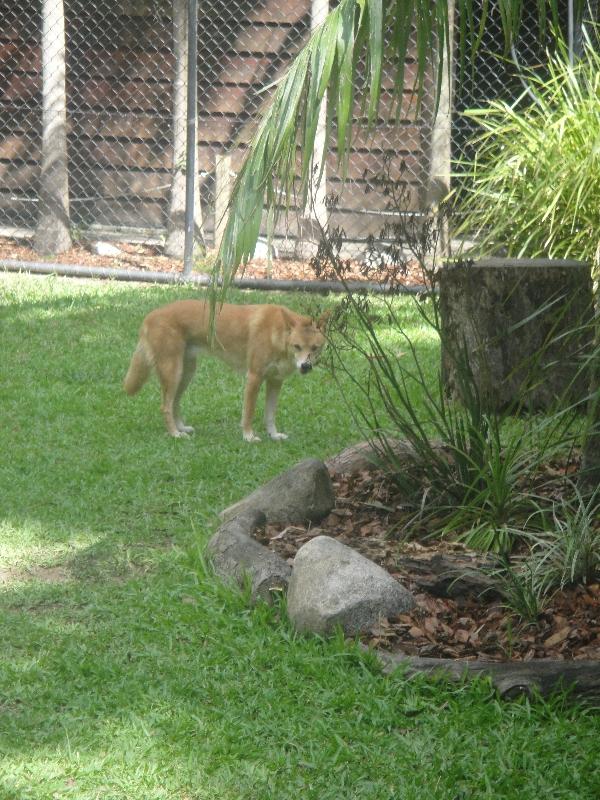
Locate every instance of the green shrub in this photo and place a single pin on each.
(521, 592)
(567, 552)
(472, 470)
(533, 188)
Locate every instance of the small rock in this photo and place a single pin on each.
(333, 585)
(105, 249)
(264, 249)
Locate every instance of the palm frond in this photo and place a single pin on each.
(332, 65)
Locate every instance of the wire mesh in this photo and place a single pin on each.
(125, 117)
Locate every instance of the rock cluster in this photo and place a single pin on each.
(329, 585)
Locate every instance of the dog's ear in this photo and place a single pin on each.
(287, 318)
(321, 323)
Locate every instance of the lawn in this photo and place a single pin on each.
(128, 673)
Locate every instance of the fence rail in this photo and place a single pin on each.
(125, 115)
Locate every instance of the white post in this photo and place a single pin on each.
(52, 233)
(318, 190)
(223, 185)
(441, 132)
(181, 225)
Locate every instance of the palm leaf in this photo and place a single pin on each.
(330, 65)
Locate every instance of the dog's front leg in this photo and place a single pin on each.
(273, 389)
(253, 382)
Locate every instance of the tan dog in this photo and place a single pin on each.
(267, 342)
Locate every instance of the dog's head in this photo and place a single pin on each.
(306, 340)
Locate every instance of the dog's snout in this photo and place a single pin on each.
(305, 367)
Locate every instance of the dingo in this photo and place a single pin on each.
(265, 341)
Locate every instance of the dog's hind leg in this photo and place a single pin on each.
(189, 368)
(170, 370)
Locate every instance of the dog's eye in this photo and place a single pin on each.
(297, 347)
(314, 348)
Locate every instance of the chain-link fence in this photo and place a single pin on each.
(110, 78)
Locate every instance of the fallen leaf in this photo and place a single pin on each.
(190, 601)
(431, 625)
(557, 637)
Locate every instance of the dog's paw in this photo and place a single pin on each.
(179, 435)
(187, 430)
(278, 437)
(251, 437)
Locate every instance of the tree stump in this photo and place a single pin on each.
(524, 328)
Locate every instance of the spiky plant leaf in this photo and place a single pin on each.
(534, 186)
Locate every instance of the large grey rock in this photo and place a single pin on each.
(238, 558)
(333, 585)
(300, 495)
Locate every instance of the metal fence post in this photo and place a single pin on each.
(190, 161)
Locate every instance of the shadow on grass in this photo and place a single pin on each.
(137, 675)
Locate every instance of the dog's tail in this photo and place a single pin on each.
(139, 369)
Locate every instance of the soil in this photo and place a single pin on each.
(370, 517)
(150, 258)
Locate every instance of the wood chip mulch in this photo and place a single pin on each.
(132, 256)
(370, 518)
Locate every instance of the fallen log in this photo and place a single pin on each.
(450, 574)
(367, 455)
(239, 558)
(511, 679)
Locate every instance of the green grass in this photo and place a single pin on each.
(128, 673)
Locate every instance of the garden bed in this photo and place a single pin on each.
(370, 517)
